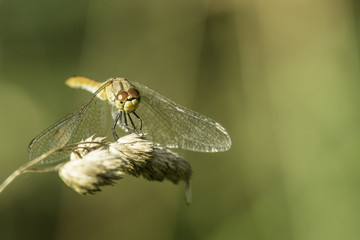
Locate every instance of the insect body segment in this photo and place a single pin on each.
(86, 84)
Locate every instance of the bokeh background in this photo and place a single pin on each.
(281, 76)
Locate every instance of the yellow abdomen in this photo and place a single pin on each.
(87, 84)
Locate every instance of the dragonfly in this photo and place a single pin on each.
(134, 108)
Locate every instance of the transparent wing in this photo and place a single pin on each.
(169, 124)
(89, 119)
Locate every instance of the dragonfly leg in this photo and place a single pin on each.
(117, 118)
(140, 122)
(126, 124)
(125, 121)
(132, 123)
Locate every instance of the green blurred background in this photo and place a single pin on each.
(281, 76)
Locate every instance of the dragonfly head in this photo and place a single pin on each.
(127, 100)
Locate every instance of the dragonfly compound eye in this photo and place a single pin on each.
(122, 96)
(133, 93)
